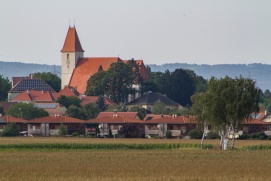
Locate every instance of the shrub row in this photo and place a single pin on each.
(255, 136)
(257, 147)
(103, 146)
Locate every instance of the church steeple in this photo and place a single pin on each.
(71, 53)
(72, 42)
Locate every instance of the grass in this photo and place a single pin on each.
(157, 164)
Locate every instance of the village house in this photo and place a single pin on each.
(148, 100)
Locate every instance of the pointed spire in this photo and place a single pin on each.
(72, 42)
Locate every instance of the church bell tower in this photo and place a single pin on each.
(71, 52)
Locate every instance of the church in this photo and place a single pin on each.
(76, 69)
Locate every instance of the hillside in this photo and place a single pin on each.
(261, 73)
(17, 69)
(258, 72)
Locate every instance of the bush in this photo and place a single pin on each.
(168, 134)
(110, 135)
(243, 137)
(62, 130)
(75, 134)
(212, 135)
(195, 134)
(11, 130)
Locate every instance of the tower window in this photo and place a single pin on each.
(68, 56)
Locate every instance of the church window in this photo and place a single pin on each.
(68, 56)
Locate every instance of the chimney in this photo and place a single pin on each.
(31, 76)
(42, 92)
(162, 115)
(27, 91)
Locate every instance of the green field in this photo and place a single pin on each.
(164, 164)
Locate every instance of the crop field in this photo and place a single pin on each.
(131, 164)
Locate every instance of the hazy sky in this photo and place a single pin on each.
(158, 31)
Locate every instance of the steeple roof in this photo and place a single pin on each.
(72, 42)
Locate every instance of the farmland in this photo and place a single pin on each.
(122, 164)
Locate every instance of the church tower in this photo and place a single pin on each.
(71, 52)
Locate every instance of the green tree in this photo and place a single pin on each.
(67, 101)
(62, 130)
(267, 94)
(115, 83)
(120, 108)
(5, 86)
(52, 79)
(26, 111)
(158, 108)
(91, 110)
(141, 112)
(101, 103)
(11, 130)
(97, 84)
(75, 112)
(228, 102)
(2, 111)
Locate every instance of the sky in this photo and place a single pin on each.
(157, 31)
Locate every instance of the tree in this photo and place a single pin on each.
(67, 101)
(75, 112)
(267, 94)
(11, 130)
(62, 130)
(158, 107)
(5, 86)
(2, 111)
(228, 102)
(26, 111)
(101, 103)
(131, 131)
(91, 111)
(96, 84)
(115, 83)
(52, 79)
(141, 112)
(120, 108)
(199, 101)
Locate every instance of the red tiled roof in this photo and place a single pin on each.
(93, 99)
(72, 42)
(170, 120)
(67, 91)
(120, 114)
(86, 67)
(37, 96)
(118, 119)
(11, 119)
(56, 119)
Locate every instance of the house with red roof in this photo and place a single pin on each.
(76, 69)
(178, 125)
(114, 123)
(45, 126)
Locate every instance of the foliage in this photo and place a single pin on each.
(91, 111)
(178, 85)
(141, 112)
(26, 111)
(2, 111)
(212, 135)
(168, 134)
(75, 134)
(110, 135)
(67, 101)
(158, 108)
(227, 103)
(11, 130)
(119, 108)
(195, 134)
(101, 103)
(130, 131)
(75, 112)
(62, 130)
(5, 86)
(52, 79)
(116, 82)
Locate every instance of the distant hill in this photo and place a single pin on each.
(261, 73)
(17, 69)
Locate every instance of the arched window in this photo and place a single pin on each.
(68, 56)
